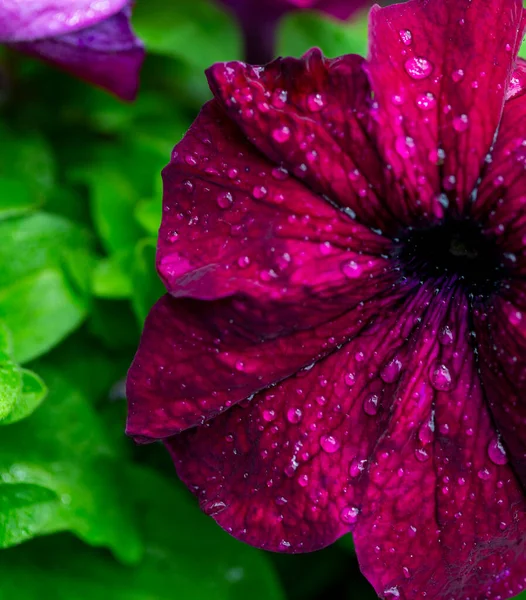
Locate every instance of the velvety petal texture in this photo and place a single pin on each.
(343, 343)
(91, 40)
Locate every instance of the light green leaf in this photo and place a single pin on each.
(148, 213)
(15, 198)
(111, 279)
(147, 287)
(40, 310)
(32, 394)
(302, 30)
(10, 384)
(62, 450)
(40, 241)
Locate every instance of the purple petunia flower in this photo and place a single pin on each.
(343, 342)
(92, 39)
(259, 18)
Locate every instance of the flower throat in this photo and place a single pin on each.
(455, 249)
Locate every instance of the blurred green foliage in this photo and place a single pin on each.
(84, 513)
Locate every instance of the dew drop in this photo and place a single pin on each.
(406, 36)
(243, 262)
(515, 317)
(457, 75)
(281, 134)
(426, 101)
(405, 146)
(329, 444)
(351, 269)
(391, 371)
(259, 191)
(497, 453)
(370, 405)
(391, 592)
(224, 200)
(349, 514)
(356, 467)
(484, 474)
(418, 67)
(294, 415)
(445, 336)
(350, 379)
(441, 378)
(303, 480)
(315, 102)
(269, 415)
(461, 123)
(421, 455)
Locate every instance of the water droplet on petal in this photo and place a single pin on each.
(259, 191)
(303, 480)
(405, 146)
(457, 75)
(224, 199)
(421, 455)
(294, 415)
(329, 443)
(484, 474)
(281, 134)
(315, 102)
(418, 67)
(441, 378)
(497, 453)
(269, 415)
(391, 372)
(370, 405)
(461, 123)
(351, 269)
(406, 36)
(349, 514)
(391, 592)
(350, 379)
(426, 101)
(445, 336)
(356, 467)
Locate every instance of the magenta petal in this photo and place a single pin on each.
(381, 438)
(500, 201)
(197, 359)
(312, 116)
(286, 470)
(108, 54)
(444, 514)
(27, 20)
(235, 223)
(439, 70)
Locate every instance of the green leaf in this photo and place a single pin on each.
(32, 394)
(63, 450)
(148, 213)
(27, 157)
(196, 31)
(10, 385)
(111, 278)
(187, 556)
(40, 310)
(40, 241)
(44, 277)
(147, 287)
(15, 198)
(302, 30)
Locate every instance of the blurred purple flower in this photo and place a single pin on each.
(259, 19)
(91, 39)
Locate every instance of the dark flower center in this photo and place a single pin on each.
(457, 250)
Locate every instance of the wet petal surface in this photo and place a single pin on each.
(439, 71)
